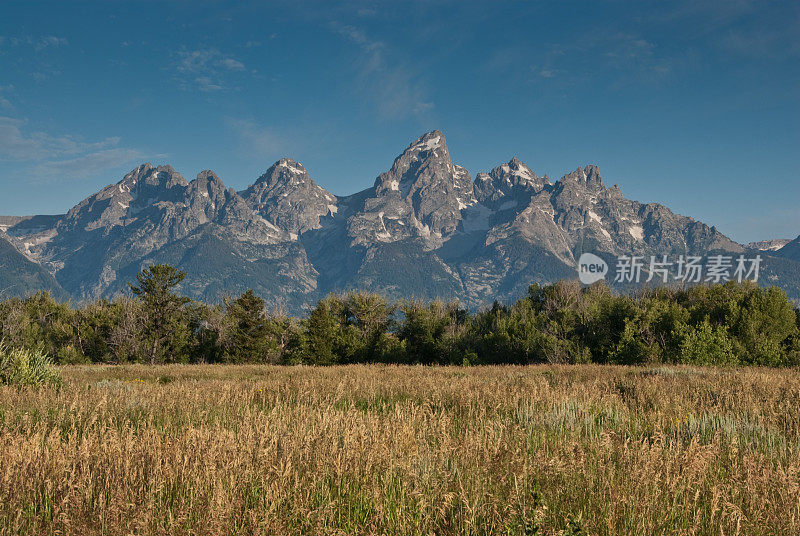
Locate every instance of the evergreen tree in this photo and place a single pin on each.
(247, 334)
(166, 330)
(324, 340)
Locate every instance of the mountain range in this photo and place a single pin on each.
(424, 229)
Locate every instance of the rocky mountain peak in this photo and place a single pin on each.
(208, 201)
(208, 176)
(429, 141)
(588, 176)
(138, 173)
(428, 159)
(284, 173)
(422, 196)
(512, 178)
(287, 196)
(147, 176)
(207, 188)
(139, 190)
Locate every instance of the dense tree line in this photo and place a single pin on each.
(734, 323)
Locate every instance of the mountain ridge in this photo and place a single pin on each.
(424, 228)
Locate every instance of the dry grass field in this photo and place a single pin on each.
(403, 450)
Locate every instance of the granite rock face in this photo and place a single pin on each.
(422, 196)
(286, 196)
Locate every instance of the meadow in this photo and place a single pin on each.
(406, 450)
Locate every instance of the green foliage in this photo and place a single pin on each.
(165, 329)
(433, 332)
(324, 341)
(760, 321)
(38, 321)
(706, 345)
(96, 330)
(26, 368)
(349, 329)
(246, 329)
(249, 335)
(734, 323)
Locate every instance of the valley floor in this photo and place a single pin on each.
(403, 450)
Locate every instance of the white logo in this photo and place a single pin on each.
(591, 268)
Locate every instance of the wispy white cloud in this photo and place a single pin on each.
(5, 104)
(46, 157)
(50, 41)
(36, 42)
(18, 145)
(545, 72)
(85, 166)
(206, 69)
(36, 56)
(393, 87)
(232, 64)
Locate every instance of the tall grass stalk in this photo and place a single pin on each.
(397, 450)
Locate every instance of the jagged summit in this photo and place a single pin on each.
(288, 197)
(208, 175)
(137, 173)
(208, 189)
(153, 176)
(429, 141)
(284, 170)
(427, 157)
(517, 168)
(421, 196)
(138, 191)
(588, 176)
(208, 186)
(508, 180)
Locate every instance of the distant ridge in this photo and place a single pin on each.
(768, 245)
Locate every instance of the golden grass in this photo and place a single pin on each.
(403, 450)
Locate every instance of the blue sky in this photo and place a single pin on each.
(692, 104)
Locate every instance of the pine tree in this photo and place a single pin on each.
(165, 327)
(247, 337)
